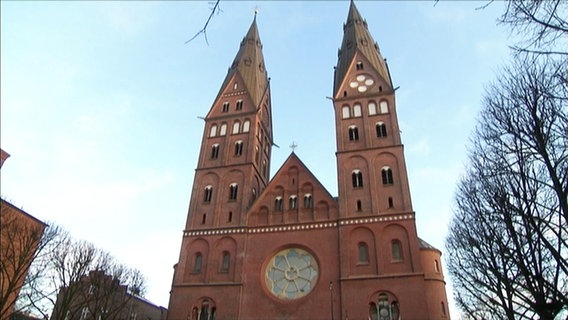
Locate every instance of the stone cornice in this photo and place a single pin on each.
(297, 226)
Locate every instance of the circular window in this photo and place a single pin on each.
(362, 82)
(291, 274)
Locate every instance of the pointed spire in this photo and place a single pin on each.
(357, 38)
(249, 63)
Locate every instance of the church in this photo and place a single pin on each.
(285, 248)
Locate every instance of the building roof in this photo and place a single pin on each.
(7, 206)
(249, 64)
(358, 39)
(3, 156)
(426, 245)
(292, 161)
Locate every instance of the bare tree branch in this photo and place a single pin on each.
(204, 29)
(508, 241)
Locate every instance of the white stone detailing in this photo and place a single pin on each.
(297, 227)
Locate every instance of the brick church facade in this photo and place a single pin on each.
(285, 248)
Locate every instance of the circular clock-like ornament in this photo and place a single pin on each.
(291, 274)
(362, 82)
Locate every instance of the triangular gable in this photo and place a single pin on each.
(370, 79)
(293, 180)
(231, 92)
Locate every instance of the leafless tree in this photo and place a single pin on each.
(541, 25)
(77, 278)
(508, 241)
(22, 240)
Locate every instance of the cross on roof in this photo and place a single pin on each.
(293, 146)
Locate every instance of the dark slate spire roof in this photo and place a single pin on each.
(357, 38)
(426, 245)
(249, 63)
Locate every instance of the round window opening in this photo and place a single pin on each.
(291, 274)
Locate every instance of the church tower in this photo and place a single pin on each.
(256, 247)
(382, 254)
(233, 168)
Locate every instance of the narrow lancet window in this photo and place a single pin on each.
(353, 133)
(307, 201)
(381, 129)
(386, 174)
(357, 179)
(233, 190)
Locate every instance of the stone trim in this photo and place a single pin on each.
(295, 227)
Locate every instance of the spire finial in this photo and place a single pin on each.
(256, 10)
(293, 146)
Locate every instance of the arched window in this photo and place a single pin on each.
(264, 168)
(381, 129)
(207, 194)
(308, 201)
(293, 202)
(372, 108)
(386, 174)
(391, 203)
(226, 107)
(230, 218)
(357, 178)
(278, 204)
(204, 218)
(225, 261)
(236, 127)
(215, 151)
(357, 110)
(359, 205)
(233, 191)
(197, 261)
(204, 314)
(385, 309)
(384, 106)
(223, 130)
(246, 126)
(238, 148)
(213, 131)
(239, 104)
(373, 311)
(256, 155)
(396, 250)
(345, 112)
(363, 253)
(359, 65)
(353, 133)
(443, 306)
(436, 266)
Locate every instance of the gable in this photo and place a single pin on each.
(230, 96)
(294, 195)
(362, 78)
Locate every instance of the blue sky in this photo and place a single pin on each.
(100, 104)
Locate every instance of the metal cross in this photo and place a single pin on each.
(293, 146)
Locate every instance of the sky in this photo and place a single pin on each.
(100, 106)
